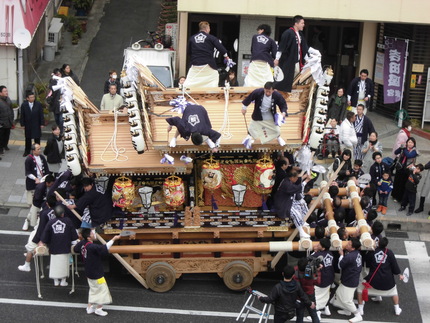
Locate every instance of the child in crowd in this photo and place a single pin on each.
(410, 194)
(356, 169)
(385, 186)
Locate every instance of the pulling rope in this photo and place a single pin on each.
(225, 128)
(119, 153)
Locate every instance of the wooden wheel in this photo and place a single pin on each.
(160, 277)
(238, 275)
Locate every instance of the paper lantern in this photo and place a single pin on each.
(174, 191)
(211, 174)
(263, 174)
(123, 192)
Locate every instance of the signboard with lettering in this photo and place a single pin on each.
(394, 65)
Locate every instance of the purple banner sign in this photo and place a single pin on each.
(394, 65)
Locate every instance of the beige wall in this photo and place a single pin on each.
(405, 11)
(367, 47)
(181, 57)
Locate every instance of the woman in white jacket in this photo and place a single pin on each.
(347, 135)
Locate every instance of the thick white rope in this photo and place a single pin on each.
(119, 153)
(225, 128)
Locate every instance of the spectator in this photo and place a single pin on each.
(59, 234)
(54, 105)
(402, 136)
(337, 106)
(32, 121)
(231, 78)
(357, 171)
(370, 146)
(347, 135)
(377, 169)
(181, 81)
(360, 90)
(112, 80)
(284, 296)
(363, 127)
(346, 169)
(111, 101)
(406, 158)
(385, 186)
(410, 194)
(67, 72)
(331, 138)
(6, 119)
(54, 150)
(425, 189)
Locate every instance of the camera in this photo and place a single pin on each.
(312, 266)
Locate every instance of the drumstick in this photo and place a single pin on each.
(246, 124)
(127, 266)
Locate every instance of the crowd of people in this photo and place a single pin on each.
(351, 139)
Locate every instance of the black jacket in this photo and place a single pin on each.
(257, 96)
(263, 48)
(341, 176)
(284, 296)
(376, 171)
(32, 119)
(368, 128)
(201, 49)
(336, 111)
(285, 195)
(6, 113)
(384, 277)
(54, 105)
(51, 151)
(99, 204)
(31, 168)
(354, 89)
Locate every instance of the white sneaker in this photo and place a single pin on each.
(99, 311)
(356, 318)
(172, 143)
(24, 267)
(377, 299)
(64, 283)
(90, 310)
(281, 142)
(319, 315)
(343, 312)
(56, 282)
(327, 311)
(307, 319)
(26, 225)
(361, 310)
(398, 310)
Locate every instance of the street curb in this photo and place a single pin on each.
(421, 133)
(407, 224)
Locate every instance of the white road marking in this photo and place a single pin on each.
(82, 306)
(419, 264)
(16, 233)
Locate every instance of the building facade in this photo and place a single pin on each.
(350, 34)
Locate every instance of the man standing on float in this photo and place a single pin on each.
(291, 53)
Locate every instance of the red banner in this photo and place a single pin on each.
(20, 14)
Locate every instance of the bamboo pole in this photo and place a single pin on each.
(284, 246)
(366, 239)
(311, 209)
(343, 191)
(127, 266)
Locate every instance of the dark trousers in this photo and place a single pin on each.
(300, 311)
(59, 120)
(28, 144)
(409, 198)
(4, 137)
(383, 199)
(282, 317)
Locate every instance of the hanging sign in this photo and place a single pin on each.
(394, 66)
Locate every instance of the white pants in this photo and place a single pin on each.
(201, 76)
(259, 72)
(32, 215)
(322, 296)
(344, 298)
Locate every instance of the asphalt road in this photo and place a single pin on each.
(194, 298)
(124, 22)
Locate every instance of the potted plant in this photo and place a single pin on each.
(82, 7)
